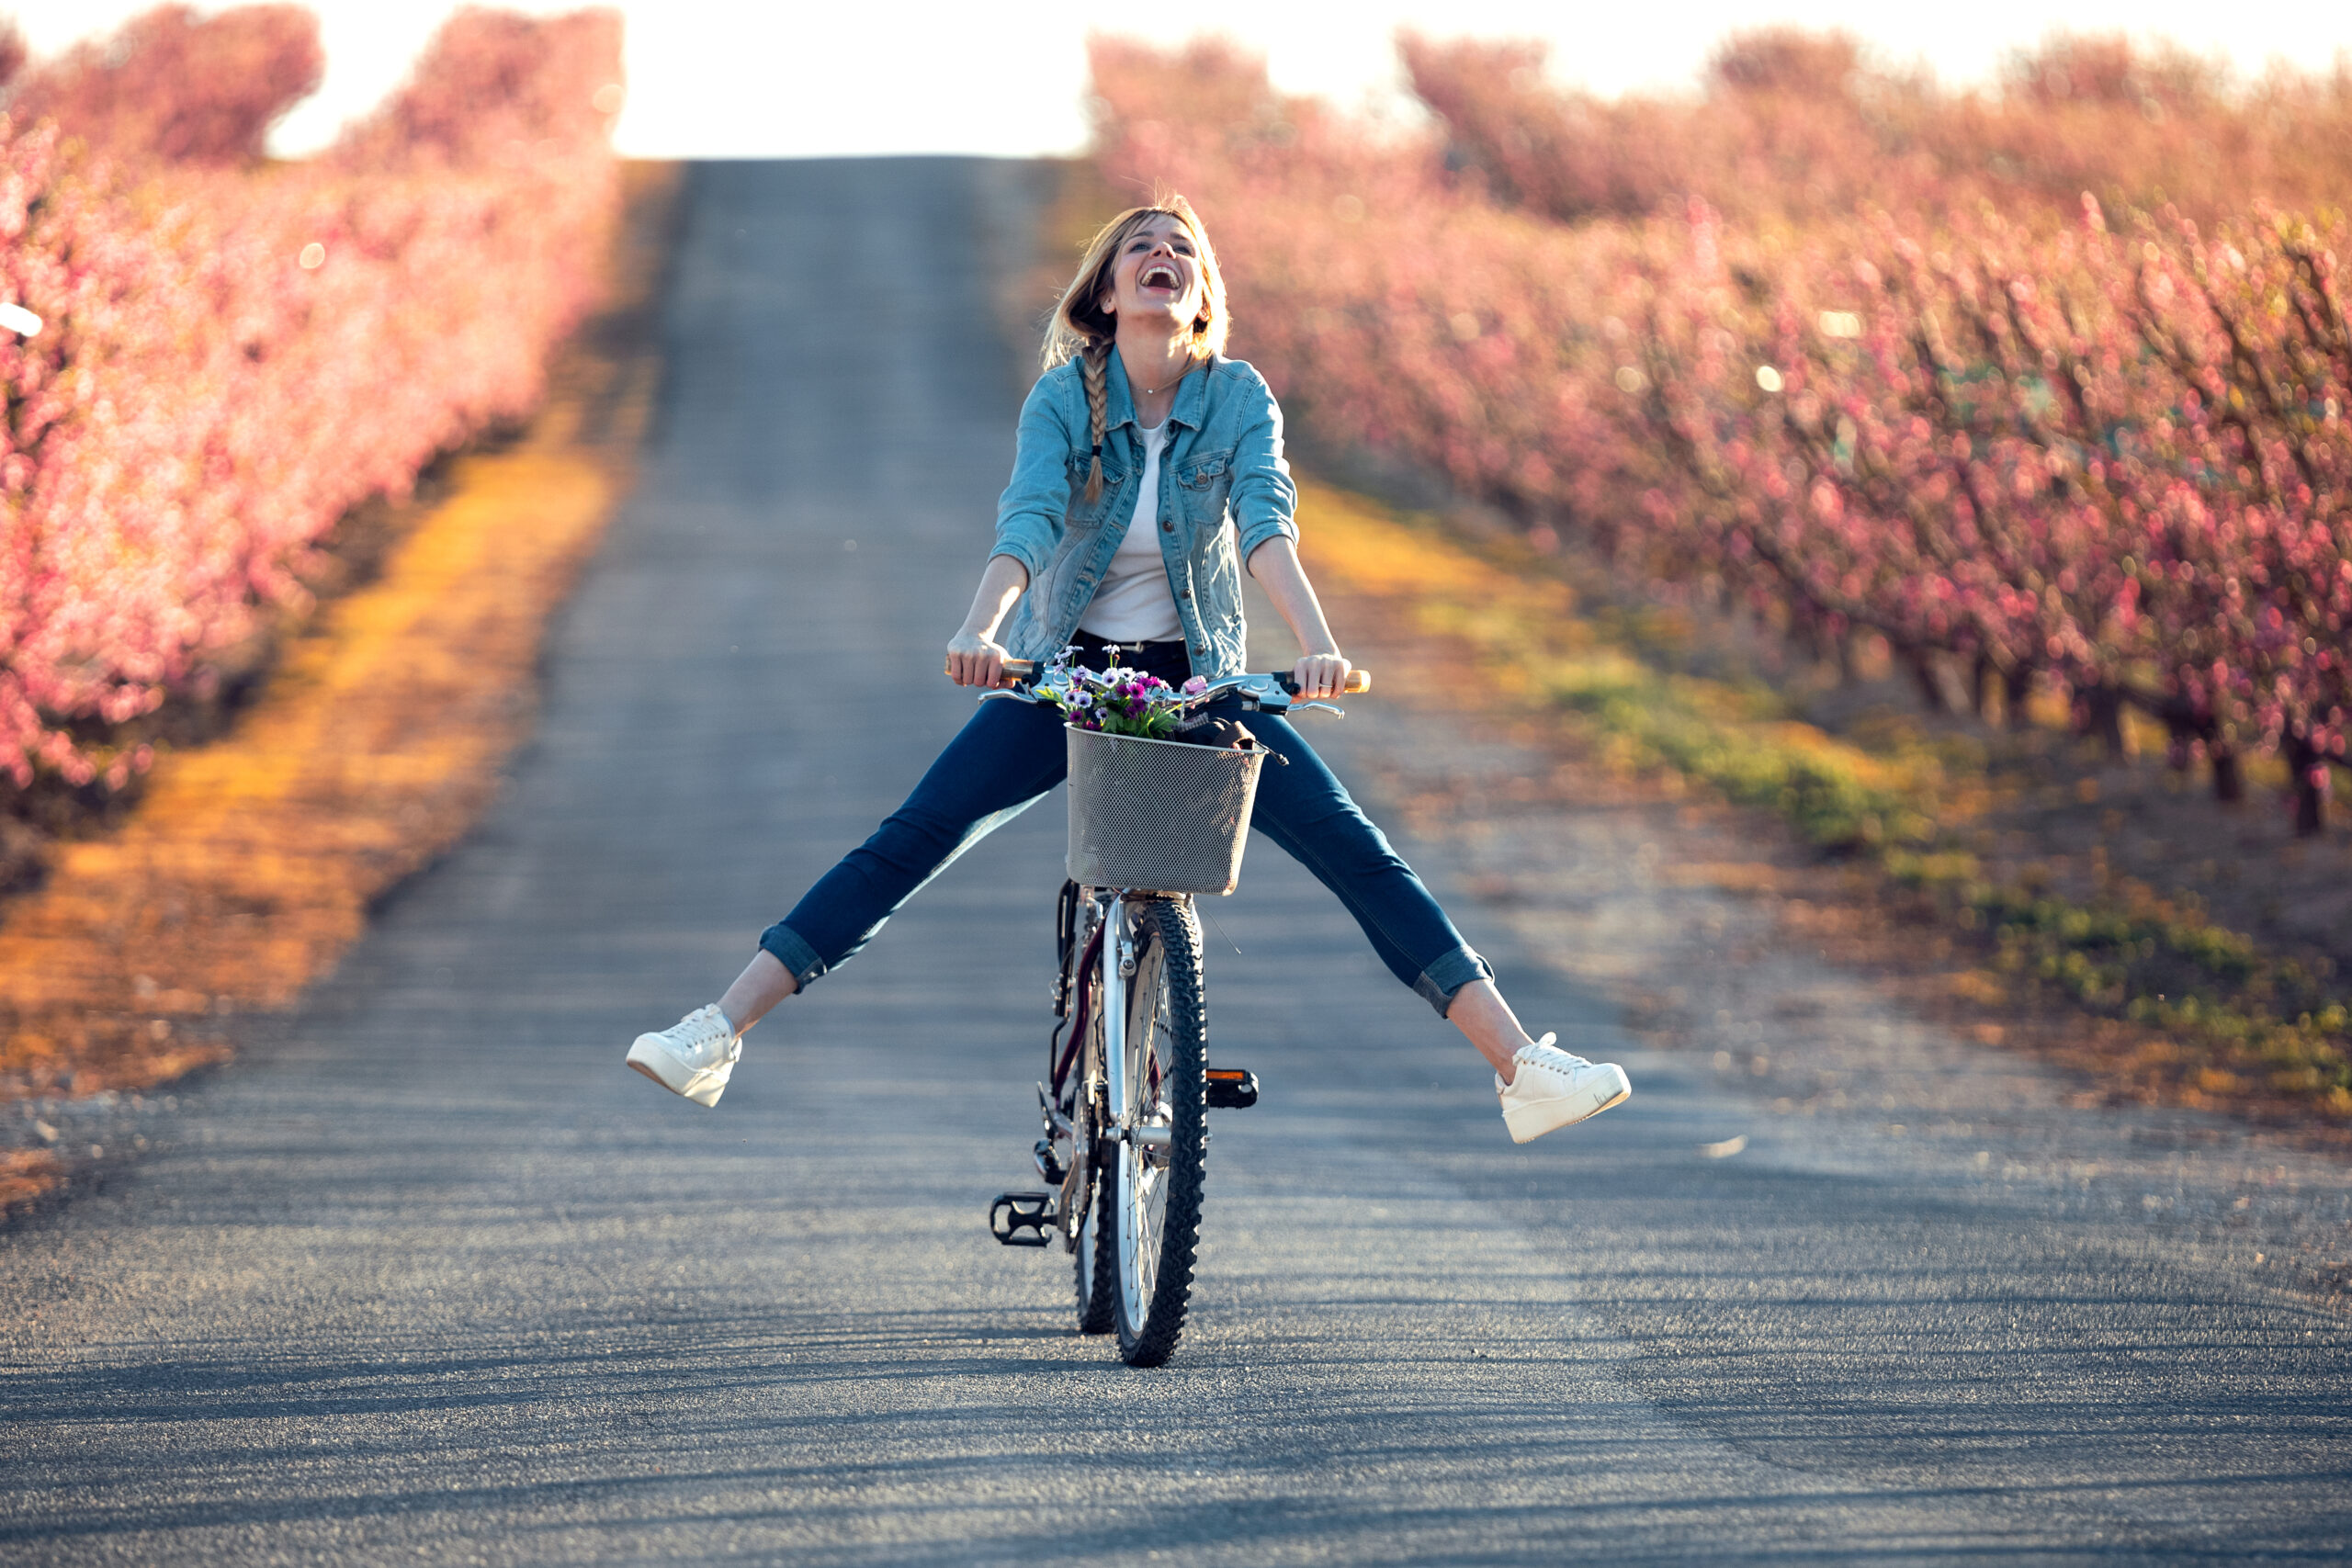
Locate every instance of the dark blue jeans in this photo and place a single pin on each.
(1011, 753)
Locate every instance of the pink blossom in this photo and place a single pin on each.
(2110, 454)
(201, 406)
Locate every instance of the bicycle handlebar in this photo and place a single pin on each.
(1359, 680)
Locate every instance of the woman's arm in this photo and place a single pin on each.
(1321, 670)
(974, 656)
(1263, 500)
(1027, 528)
(1029, 514)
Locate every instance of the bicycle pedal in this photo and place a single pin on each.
(1022, 1219)
(1232, 1088)
(1050, 1163)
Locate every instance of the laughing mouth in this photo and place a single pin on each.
(1159, 274)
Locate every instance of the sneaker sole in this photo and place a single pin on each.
(700, 1085)
(1530, 1123)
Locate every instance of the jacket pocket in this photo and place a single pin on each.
(1202, 482)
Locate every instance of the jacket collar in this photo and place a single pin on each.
(1192, 395)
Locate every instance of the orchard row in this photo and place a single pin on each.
(2102, 451)
(208, 359)
(1792, 126)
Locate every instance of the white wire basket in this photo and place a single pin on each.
(1158, 814)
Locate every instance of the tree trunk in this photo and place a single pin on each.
(2017, 685)
(1806, 632)
(2229, 784)
(1980, 685)
(1923, 672)
(2311, 806)
(2103, 714)
(2309, 770)
(2182, 731)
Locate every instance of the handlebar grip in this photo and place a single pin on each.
(1020, 668)
(1359, 680)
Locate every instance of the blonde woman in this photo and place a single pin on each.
(1150, 474)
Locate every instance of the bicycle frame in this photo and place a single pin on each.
(1115, 951)
(1118, 959)
(1128, 1204)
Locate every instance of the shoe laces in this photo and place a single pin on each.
(707, 1026)
(1545, 1054)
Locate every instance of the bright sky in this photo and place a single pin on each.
(758, 78)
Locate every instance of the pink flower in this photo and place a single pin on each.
(2079, 518)
(205, 408)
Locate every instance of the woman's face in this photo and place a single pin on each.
(1156, 275)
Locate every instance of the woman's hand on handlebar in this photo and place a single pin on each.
(975, 660)
(1320, 675)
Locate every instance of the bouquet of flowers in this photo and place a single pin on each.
(1117, 701)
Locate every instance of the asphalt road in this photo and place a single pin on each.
(429, 1276)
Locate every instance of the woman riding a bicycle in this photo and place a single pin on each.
(1150, 471)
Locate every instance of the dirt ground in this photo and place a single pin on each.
(2066, 812)
(1809, 990)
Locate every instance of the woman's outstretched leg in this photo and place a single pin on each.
(1486, 1021)
(1303, 808)
(1008, 755)
(763, 982)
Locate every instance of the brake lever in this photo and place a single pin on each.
(1258, 693)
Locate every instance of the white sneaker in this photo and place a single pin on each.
(1551, 1090)
(694, 1056)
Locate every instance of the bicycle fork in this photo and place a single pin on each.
(1118, 968)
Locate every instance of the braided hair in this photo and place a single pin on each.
(1093, 368)
(1081, 329)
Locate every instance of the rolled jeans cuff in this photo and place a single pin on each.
(1448, 975)
(789, 950)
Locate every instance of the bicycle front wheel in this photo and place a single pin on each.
(1159, 1162)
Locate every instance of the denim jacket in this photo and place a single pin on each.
(1223, 491)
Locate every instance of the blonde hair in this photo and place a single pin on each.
(1081, 330)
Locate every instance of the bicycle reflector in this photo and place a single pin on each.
(1232, 1088)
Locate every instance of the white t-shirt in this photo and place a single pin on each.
(1133, 602)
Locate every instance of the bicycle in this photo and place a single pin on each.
(1128, 1087)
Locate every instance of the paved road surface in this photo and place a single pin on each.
(430, 1277)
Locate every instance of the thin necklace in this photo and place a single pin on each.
(1154, 391)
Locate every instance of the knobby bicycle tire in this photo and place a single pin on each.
(1167, 1009)
(1097, 1268)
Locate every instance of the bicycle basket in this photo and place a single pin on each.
(1158, 814)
